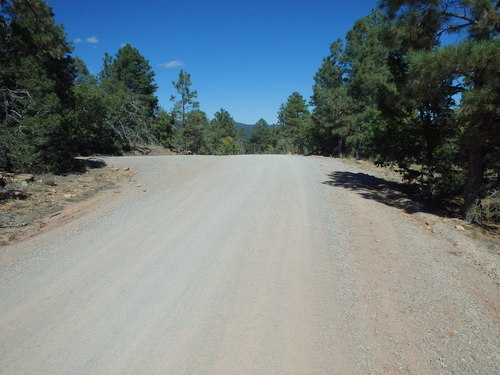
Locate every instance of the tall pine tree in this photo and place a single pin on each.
(184, 103)
(469, 68)
(331, 103)
(36, 76)
(295, 123)
(261, 139)
(367, 79)
(128, 83)
(131, 70)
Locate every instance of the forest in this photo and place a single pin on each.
(392, 91)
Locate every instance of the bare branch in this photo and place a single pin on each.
(129, 124)
(454, 28)
(462, 17)
(15, 103)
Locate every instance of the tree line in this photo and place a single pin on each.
(53, 108)
(391, 91)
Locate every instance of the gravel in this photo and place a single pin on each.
(247, 265)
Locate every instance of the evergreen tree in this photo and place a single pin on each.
(184, 103)
(36, 76)
(469, 67)
(129, 119)
(420, 124)
(472, 63)
(331, 104)
(163, 128)
(228, 146)
(131, 70)
(127, 81)
(221, 134)
(82, 73)
(105, 76)
(89, 114)
(295, 121)
(224, 123)
(194, 131)
(367, 79)
(261, 139)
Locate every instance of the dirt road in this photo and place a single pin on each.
(247, 265)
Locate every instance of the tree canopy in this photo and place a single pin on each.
(36, 76)
(132, 71)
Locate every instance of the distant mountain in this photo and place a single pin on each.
(247, 129)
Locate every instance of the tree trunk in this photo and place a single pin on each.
(474, 181)
(340, 147)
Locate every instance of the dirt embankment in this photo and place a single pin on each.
(30, 203)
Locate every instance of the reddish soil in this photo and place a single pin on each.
(51, 200)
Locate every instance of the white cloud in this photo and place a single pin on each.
(92, 39)
(172, 64)
(123, 44)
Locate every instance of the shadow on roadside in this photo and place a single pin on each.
(405, 197)
(92, 163)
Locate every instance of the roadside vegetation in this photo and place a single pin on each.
(393, 91)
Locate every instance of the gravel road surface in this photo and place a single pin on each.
(248, 265)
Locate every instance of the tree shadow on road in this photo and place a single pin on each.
(406, 197)
(90, 163)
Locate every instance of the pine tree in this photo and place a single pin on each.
(224, 123)
(331, 104)
(194, 131)
(469, 68)
(163, 128)
(184, 103)
(35, 81)
(420, 124)
(367, 78)
(131, 70)
(295, 121)
(472, 63)
(127, 81)
(90, 113)
(221, 135)
(260, 140)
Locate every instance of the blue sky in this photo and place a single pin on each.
(244, 56)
